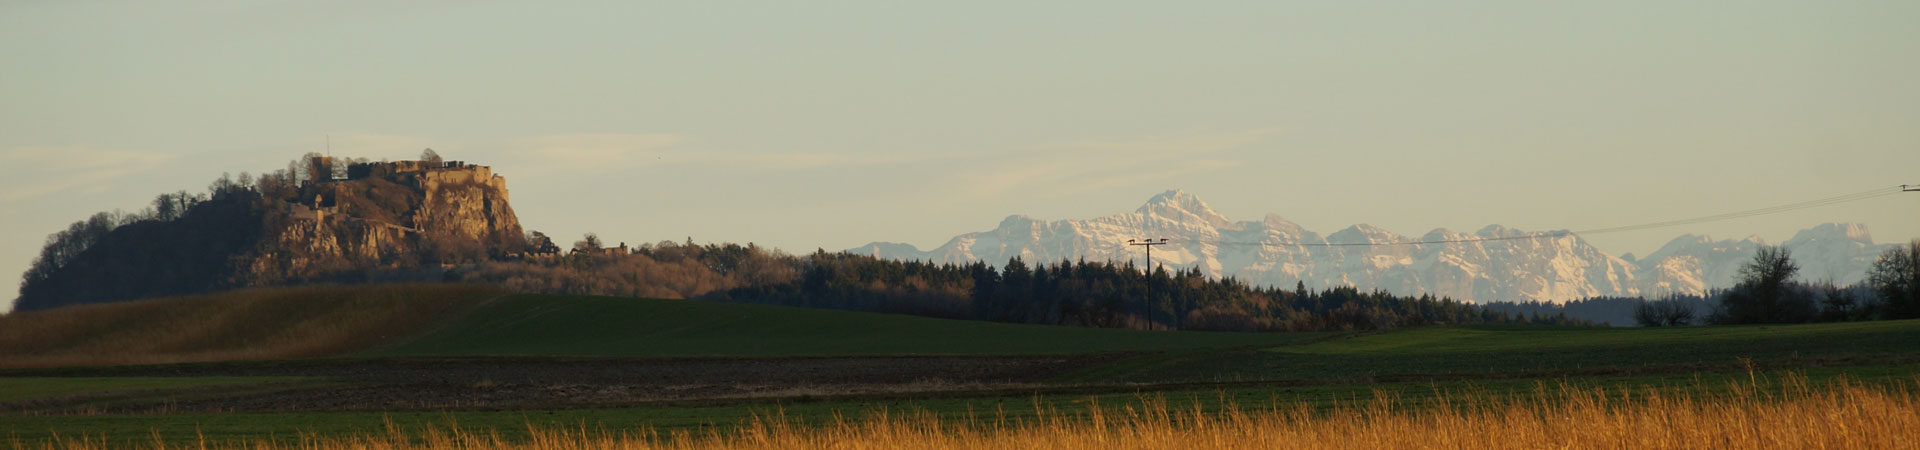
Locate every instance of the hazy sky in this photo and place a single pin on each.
(808, 125)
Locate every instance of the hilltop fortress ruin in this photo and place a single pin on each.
(322, 196)
(356, 214)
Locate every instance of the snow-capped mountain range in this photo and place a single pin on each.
(1272, 251)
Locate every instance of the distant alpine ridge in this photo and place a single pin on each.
(1273, 251)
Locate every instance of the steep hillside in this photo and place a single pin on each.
(371, 221)
(1486, 265)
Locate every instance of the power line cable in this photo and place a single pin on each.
(1847, 198)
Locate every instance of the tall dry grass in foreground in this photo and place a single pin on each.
(1841, 415)
(270, 323)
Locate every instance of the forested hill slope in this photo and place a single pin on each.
(322, 219)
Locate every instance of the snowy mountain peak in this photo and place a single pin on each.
(1442, 234)
(1852, 232)
(1020, 221)
(1277, 223)
(1497, 230)
(1180, 206)
(1277, 252)
(1681, 244)
(1363, 234)
(1837, 252)
(1173, 197)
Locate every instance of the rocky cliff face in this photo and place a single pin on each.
(469, 202)
(386, 221)
(1486, 265)
(318, 250)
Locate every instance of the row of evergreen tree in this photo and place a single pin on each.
(1068, 292)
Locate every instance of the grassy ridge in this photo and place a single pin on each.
(555, 325)
(253, 324)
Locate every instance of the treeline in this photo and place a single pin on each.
(1076, 293)
(1613, 311)
(183, 243)
(1765, 292)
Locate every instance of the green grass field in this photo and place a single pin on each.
(1538, 338)
(1188, 369)
(1496, 351)
(554, 325)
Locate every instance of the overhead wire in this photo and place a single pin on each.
(1847, 198)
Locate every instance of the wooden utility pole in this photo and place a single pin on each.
(1148, 243)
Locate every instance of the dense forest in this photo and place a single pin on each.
(1078, 293)
(184, 243)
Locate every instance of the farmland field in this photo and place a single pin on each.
(552, 325)
(27, 388)
(515, 364)
(1509, 351)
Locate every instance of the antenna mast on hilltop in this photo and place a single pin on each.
(1149, 243)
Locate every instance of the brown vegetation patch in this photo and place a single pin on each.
(242, 325)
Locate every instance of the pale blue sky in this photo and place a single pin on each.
(807, 125)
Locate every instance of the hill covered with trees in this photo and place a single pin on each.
(320, 219)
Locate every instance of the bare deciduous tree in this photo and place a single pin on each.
(1667, 312)
(1896, 278)
(587, 243)
(1763, 294)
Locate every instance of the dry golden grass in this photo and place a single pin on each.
(251, 324)
(1841, 415)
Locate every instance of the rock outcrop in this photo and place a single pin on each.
(389, 218)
